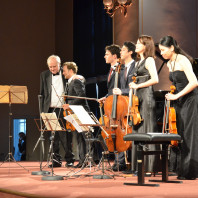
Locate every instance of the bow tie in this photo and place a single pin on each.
(56, 74)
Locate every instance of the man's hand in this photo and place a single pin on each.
(65, 106)
(79, 77)
(117, 91)
(102, 100)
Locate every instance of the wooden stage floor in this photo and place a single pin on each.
(17, 182)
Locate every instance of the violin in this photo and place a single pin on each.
(69, 126)
(170, 117)
(133, 106)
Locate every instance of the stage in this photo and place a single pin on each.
(18, 182)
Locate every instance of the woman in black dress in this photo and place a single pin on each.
(146, 76)
(186, 104)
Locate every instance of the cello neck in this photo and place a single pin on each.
(115, 97)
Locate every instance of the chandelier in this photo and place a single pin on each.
(112, 5)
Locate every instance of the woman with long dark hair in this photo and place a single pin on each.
(146, 77)
(186, 104)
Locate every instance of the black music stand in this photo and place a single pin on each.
(41, 140)
(84, 122)
(12, 95)
(52, 124)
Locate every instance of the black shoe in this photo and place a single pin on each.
(114, 165)
(71, 164)
(79, 165)
(127, 172)
(121, 167)
(55, 165)
(186, 178)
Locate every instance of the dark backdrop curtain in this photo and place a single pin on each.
(92, 32)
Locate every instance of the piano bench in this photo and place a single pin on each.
(152, 138)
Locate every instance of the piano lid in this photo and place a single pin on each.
(158, 54)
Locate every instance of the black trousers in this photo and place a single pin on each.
(63, 137)
(82, 146)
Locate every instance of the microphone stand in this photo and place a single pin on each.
(41, 140)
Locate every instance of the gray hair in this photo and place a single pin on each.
(54, 57)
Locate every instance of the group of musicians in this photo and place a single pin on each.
(139, 61)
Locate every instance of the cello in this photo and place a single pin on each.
(115, 119)
(169, 123)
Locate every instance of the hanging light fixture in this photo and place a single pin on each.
(112, 5)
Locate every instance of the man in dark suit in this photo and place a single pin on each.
(112, 55)
(52, 86)
(76, 87)
(128, 55)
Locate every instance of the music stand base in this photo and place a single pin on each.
(10, 158)
(40, 173)
(52, 178)
(176, 182)
(102, 177)
(141, 184)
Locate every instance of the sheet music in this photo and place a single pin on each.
(51, 122)
(82, 114)
(73, 119)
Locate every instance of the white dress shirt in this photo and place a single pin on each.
(57, 91)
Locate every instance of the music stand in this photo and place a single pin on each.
(41, 141)
(10, 94)
(83, 122)
(52, 124)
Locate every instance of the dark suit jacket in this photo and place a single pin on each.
(125, 83)
(110, 83)
(46, 89)
(77, 88)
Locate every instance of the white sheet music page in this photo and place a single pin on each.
(51, 121)
(82, 114)
(71, 118)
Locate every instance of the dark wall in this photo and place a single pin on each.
(126, 28)
(30, 32)
(64, 29)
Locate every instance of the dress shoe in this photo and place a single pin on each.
(127, 172)
(186, 178)
(55, 165)
(79, 165)
(71, 164)
(120, 167)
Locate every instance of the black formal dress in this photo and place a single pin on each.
(187, 126)
(60, 136)
(147, 111)
(77, 88)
